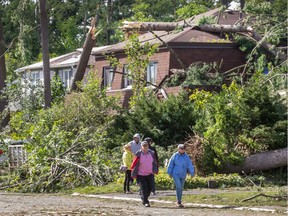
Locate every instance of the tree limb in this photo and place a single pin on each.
(264, 195)
(168, 47)
(216, 28)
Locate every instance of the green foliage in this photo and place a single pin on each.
(238, 121)
(138, 56)
(57, 89)
(167, 122)
(233, 197)
(199, 73)
(190, 10)
(163, 181)
(268, 19)
(24, 94)
(206, 20)
(152, 10)
(67, 143)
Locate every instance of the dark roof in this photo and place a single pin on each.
(186, 35)
(230, 17)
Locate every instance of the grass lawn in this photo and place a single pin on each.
(105, 189)
(234, 196)
(228, 196)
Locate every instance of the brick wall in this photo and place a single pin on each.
(162, 58)
(123, 94)
(230, 56)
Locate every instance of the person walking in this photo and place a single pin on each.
(127, 161)
(150, 141)
(135, 143)
(143, 167)
(179, 165)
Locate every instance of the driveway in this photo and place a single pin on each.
(59, 204)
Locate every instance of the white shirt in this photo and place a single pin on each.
(135, 146)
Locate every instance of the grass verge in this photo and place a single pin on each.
(233, 197)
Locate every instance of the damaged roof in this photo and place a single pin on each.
(186, 35)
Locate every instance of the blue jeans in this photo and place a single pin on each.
(179, 183)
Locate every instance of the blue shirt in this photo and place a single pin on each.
(179, 165)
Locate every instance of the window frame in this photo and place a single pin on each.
(35, 77)
(108, 83)
(149, 78)
(127, 82)
(66, 76)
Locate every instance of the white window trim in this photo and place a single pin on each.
(62, 73)
(125, 69)
(111, 77)
(155, 64)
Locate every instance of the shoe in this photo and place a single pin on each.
(147, 205)
(129, 192)
(179, 205)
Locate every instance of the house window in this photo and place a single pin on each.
(108, 76)
(66, 76)
(35, 77)
(127, 77)
(152, 72)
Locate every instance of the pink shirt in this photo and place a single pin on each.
(145, 164)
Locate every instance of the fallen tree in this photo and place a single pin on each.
(215, 28)
(260, 162)
(87, 48)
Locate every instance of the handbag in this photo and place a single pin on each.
(123, 168)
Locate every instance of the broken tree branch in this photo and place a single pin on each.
(264, 195)
(168, 47)
(154, 26)
(79, 166)
(87, 48)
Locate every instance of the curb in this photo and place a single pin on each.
(211, 206)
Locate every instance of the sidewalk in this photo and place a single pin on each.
(155, 198)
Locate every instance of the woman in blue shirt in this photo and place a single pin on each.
(179, 165)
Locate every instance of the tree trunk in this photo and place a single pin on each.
(154, 26)
(260, 162)
(45, 52)
(87, 48)
(170, 26)
(3, 102)
(109, 14)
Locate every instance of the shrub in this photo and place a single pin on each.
(238, 121)
(68, 143)
(167, 122)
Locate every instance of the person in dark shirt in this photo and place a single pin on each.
(150, 141)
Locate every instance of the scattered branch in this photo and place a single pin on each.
(264, 195)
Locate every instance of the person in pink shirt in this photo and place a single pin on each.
(143, 167)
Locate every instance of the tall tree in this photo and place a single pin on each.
(3, 101)
(109, 13)
(45, 52)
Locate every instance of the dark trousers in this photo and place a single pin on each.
(146, 183)
(153, 184)
(127, 180)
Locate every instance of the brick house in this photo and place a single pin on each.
(191, 45)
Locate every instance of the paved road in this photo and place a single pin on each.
(53, 204)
